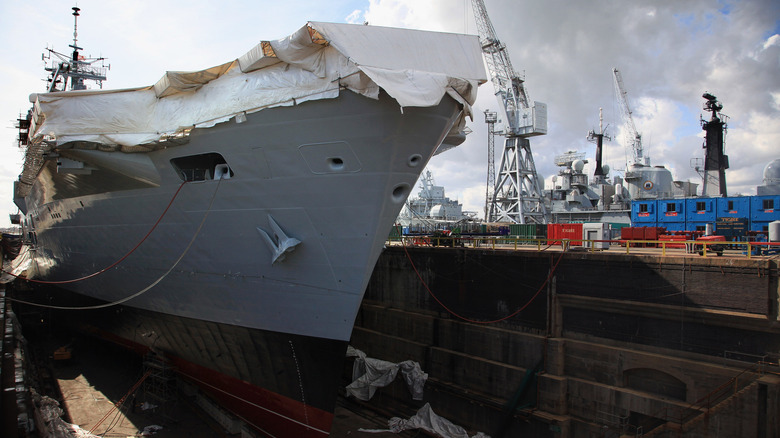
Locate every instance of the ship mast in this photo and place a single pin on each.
(66, 72)
(715, 161)
(598, 138)
(76, 68)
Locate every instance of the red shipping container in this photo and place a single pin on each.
(652, 233)
(673, 238)
(556, 232)
(572, 232)
(638, 234)
(552, 234)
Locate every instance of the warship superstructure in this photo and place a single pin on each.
(577, 198)
(229, 219)
(432, 210)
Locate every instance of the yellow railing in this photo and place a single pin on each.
(703, 248)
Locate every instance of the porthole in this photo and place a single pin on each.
(336, 163)
(415, 160)
(400, 192)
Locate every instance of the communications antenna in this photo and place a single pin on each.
(516, 195)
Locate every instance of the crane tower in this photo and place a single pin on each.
(516, 195)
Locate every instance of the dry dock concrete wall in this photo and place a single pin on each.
(574, 344)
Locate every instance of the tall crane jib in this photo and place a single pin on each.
(517, 195)
(635, 137)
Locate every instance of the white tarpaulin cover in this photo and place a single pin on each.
(428, 421)
(368, 374)
(414, 67)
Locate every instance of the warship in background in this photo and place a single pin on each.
(432, 211)
(771, 179)
(575, 198)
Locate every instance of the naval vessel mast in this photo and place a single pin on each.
(74, 69)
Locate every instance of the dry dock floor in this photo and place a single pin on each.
(100, 374)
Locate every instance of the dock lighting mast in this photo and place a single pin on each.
(516, 195)
(491, 117)
(635, 137)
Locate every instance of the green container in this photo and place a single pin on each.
(396, 232)
(523, 231)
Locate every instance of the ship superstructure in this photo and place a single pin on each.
(576, 198)
(432, 210)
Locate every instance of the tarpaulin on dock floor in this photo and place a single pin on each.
(368, 374)
(51, 424)
(428, 421)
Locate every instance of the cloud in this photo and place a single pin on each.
(355, 17)
(774, 40)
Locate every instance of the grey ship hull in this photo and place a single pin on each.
(332, 174)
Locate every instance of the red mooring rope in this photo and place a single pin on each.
(541, 288)
(95, 274)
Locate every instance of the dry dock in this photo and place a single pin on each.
(526, 342)
(580, 344)
(97, 388)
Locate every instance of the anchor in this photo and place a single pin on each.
(280, 244)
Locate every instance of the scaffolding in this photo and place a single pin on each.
(160, 387)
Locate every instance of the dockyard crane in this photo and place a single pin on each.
(516, 195)
(635, 137)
